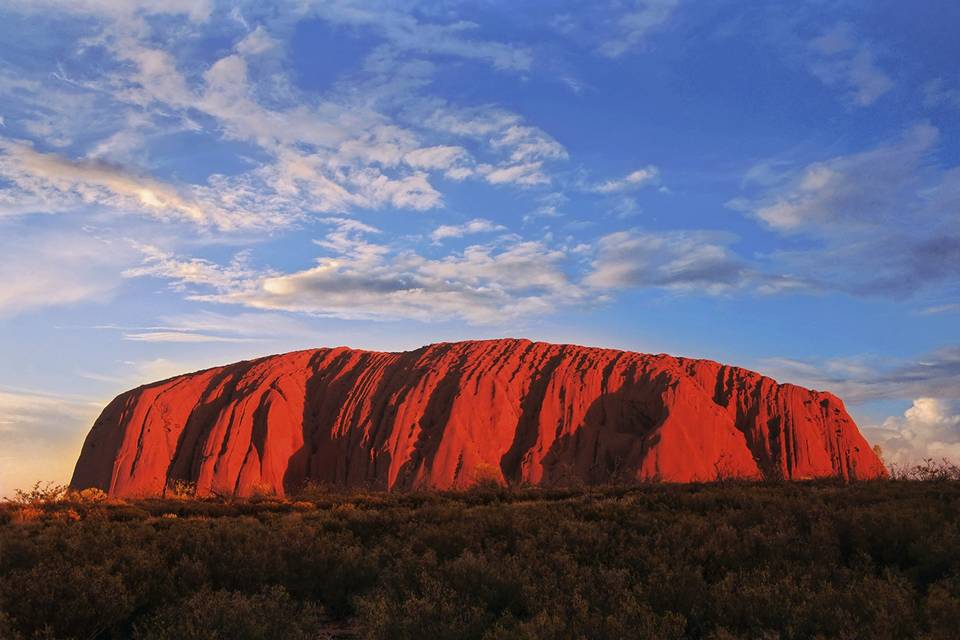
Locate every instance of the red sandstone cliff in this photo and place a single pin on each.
(447, 415)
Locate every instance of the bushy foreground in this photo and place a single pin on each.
(727, 560)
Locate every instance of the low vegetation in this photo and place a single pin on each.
(720, 561)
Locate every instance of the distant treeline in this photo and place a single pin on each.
(723, 560)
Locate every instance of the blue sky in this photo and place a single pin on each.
(184, 184)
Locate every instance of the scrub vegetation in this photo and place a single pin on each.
(723, 560)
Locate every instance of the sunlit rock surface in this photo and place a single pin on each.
(448, 415)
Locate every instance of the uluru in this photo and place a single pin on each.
(449, 415)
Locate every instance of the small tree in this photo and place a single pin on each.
(41, 494)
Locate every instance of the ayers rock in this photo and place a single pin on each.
(446, 415)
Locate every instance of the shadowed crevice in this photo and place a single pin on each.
(528, 424)
(188, 456)
(433, 424)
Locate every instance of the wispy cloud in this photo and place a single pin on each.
(883, 221)
(477, 225)
(181, 336)
(840, 58)
(679, 260)
(482, 284)
(867, 188)
(408, 33)
(50, 268)
(520, 151)
(45, 182)
(866, 378)
(937, 94)
(207, 326)
(330, 155)
(952, 307)
(633, 26)
(646, 176)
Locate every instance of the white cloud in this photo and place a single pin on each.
(634, 26)
(328, 155)
(331, 154)
(127, 11)
(45, 181)
(527, 174)
(410, 192)
(454, 161)
(646, 176)
(482, 284)
(952, 307)
(256, 42)
(523, 150)
(193, 271)
(526, 144)
(838, 58)
(477, 225)
(679, 260)
(471, 122)
(181, 336)
(862, 188)
(930, 428)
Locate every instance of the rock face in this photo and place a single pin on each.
(448, 415)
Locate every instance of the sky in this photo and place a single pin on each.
(186, 183)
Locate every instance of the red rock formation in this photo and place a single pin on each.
(447, 415)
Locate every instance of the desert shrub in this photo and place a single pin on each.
(315, 491)
(722, 561)
(78, 601)
(89, 495)
(211, 615)
(929, 470)
(7, 630)
(42, 493)
(942, 610)
(262, 490)
(180, 490)
(486, 476)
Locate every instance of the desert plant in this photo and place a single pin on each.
(180, 490)
(735, 560)
(263, 490)
(90, 495)
(315, 490)
(487, 476)
(929, 470)
(269, 614)
(42, 493)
